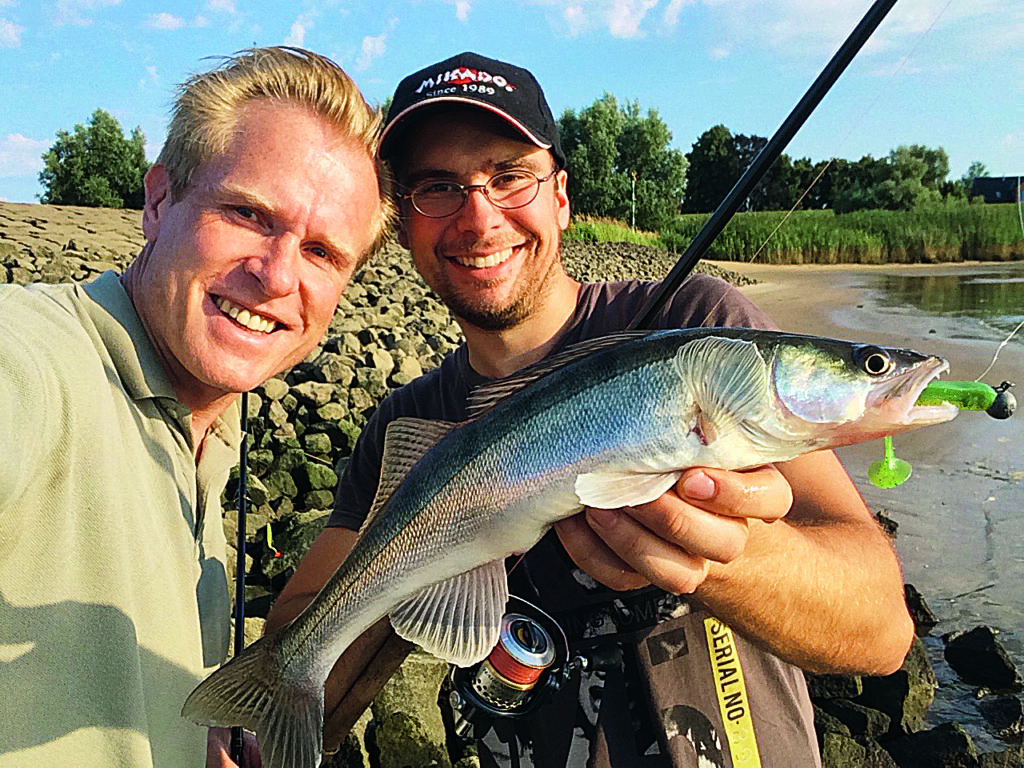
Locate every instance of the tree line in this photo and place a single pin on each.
(621, 164)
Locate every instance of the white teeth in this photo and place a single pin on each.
(491, 260)
(245, 317)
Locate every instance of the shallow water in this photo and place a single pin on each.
(961, 518)
(987, 302)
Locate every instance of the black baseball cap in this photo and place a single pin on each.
(505, 90)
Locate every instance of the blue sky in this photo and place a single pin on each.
(943, 73)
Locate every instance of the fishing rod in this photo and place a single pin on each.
(237, 735)
(762, 162)
(1000, 402)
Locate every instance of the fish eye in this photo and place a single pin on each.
(874, 361)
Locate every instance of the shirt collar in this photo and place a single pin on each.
(135, 358)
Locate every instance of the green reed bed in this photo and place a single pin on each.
(935, 234)
(592, 229)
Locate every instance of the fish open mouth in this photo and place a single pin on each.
(898, 396)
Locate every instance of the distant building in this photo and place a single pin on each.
(998, 189)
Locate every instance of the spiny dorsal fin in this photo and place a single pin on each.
(486, 396)
(405, 441)
(457, 620)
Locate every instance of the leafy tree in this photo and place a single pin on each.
(95, 165)
(711, 171)
(976, 170)
(915, 176)
(614, 151)
(717, 161)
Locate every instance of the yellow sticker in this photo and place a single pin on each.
(732, 695)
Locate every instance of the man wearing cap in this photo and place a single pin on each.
(716, 592)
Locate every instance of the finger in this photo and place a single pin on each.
(762, 493)
(595, 557)
(660, 562)
(693, 530)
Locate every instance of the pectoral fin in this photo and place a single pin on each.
(611, 490)
(457, 620)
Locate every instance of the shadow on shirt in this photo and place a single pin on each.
(53, 686)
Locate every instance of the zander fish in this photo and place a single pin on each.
(610, 423)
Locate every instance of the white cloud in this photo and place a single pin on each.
(576, 19)
(671, 15)
(373, 47)
(462, 8)
(301, 25)
(150, 78)
(625, 17)
(20, 155)
(222, 6)
(200, 21)
(718, 53)
(10, 34)
(296, 35)
(76, 12)
(164, 20)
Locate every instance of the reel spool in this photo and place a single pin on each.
(529, 663)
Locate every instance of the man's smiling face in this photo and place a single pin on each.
(240, 278)
(490, 266)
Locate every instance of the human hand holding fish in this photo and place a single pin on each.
(671, 542)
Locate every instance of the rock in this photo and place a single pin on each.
(407, 369)
(275, 388)
(905, 695)
(409, 728)
(980, 659)
(1005, 714)
(945, 746)
(834, 686)
(314, 476)
(924, 619)
(1010, 758)
(317, 443)
(861, 720)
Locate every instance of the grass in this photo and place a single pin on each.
(943, 233)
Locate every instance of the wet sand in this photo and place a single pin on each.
(960, 515)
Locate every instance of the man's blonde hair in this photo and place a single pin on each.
(208, 107)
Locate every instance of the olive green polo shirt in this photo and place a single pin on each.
(113, 592)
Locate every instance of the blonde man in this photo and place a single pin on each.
(118, 415)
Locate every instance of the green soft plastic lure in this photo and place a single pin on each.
(965, 395)
(889, 471)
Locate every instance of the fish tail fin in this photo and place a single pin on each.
(250, 691)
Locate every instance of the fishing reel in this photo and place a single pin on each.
(524, 670)
(522, 673)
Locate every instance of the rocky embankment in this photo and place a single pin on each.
(388, 329)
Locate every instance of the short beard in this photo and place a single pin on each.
(509, 317)
(488, 320)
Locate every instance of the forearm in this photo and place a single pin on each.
(828, 599)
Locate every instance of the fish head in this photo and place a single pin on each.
(847, 393)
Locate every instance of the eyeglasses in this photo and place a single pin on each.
(506, 190)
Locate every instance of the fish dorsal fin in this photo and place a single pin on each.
(405, 441)
(486, 396)
(728, 379)
(457, 620)
(611, 489)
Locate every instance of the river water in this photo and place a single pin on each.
(961, 517)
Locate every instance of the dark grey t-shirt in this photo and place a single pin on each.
(690, 692)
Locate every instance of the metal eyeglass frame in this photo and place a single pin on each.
(465, 189)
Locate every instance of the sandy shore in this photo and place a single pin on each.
(961, 512)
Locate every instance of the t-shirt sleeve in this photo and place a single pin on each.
(358, 483)
(710, 302)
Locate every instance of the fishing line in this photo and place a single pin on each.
(1000, 349)
(863, 116)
